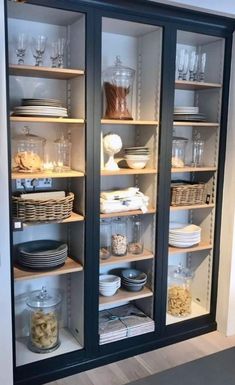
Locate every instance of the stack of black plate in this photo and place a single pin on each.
(42, 255)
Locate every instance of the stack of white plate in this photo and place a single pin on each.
(42, 255)
(184, 235)
(41, 107)
(188, 113)
(109, 284)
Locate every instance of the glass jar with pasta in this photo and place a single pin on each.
(44, 310)
(179, 291)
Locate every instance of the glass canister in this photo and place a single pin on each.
(136, 245)
(179, 291)
(118, 88)
(105, 239)
(197, 152)
(63, 154)
(178, 151)
(28, 152)
(44, 310)
(119, 237)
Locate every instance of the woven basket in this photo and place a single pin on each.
(42, 211)
(186, 193)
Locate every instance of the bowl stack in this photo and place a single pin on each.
(184, 235)
(133, 280)
(109, 284)
(136, 157)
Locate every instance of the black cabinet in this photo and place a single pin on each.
(181, 65)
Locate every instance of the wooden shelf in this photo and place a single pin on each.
(70, 266)
(38, 119)
(32, 175)
(195, 124)
(130, 122)
(127, 213)
(201, 246)
(128, 171)
(127, 258)
(44, 72)
(124, 295)
(192, 169)
(74, 217)
(190, 85)
(197, 311)
(192, 207)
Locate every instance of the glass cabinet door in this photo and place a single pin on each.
(130, 87)
(47, 130)
(195, 149)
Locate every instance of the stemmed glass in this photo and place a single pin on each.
(39, 46)
(195, 69)
(186, 65)
(54, 53)
(192, 62)
(180, 65)
(202, 65)
(21, 45)
(61, 50)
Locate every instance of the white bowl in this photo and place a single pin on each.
(108, 292)
(136, 164)
(137, 157)
(108, 279)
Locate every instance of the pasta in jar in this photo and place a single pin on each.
(44, 329)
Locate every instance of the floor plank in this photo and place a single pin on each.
(149, 363)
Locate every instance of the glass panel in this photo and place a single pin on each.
(131, 69)
(197, 112)
(47, 79)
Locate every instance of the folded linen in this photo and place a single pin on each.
(116, 202)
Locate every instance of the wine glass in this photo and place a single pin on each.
(195, 69)
(39, 46)
(202, 65)
(54, 53)
(21, 45)
(61, 50)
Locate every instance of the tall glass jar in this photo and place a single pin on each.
(43, 320)
(179, 291)
(118, 85)
(135, 245)
(119, 237)
(63, 154)
(178, 151)
(197, 152)
(28, 152)
(105, 239)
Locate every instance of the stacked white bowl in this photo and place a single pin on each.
(184, 235)
(136, 157)
(109, 284)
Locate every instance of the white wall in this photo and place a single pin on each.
(6, 375)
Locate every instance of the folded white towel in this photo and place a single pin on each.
(137, 202)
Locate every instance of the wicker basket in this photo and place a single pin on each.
(186, 193)
(42, 211)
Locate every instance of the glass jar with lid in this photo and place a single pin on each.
(118, 88)
(63, 154)
(44, 310)
(197, 151)
(178, 151)
(135, 245)
(119, 237)
(105, 239)
(179, 291)
(28, 152)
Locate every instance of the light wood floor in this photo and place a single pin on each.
(131, 369)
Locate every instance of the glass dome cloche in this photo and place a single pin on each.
(118, 89)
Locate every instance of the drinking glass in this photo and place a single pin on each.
(195, 69)
(186, 65)
(61, 50)
(197, 153)
(54, 53)
(202, 65)
(180, 63)
(192, 62)
(39, 46)
(21, 45)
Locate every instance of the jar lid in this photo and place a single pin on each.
(180, 272)
(119, 70)
(180, 139)
(43, 299)
(29, 138)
